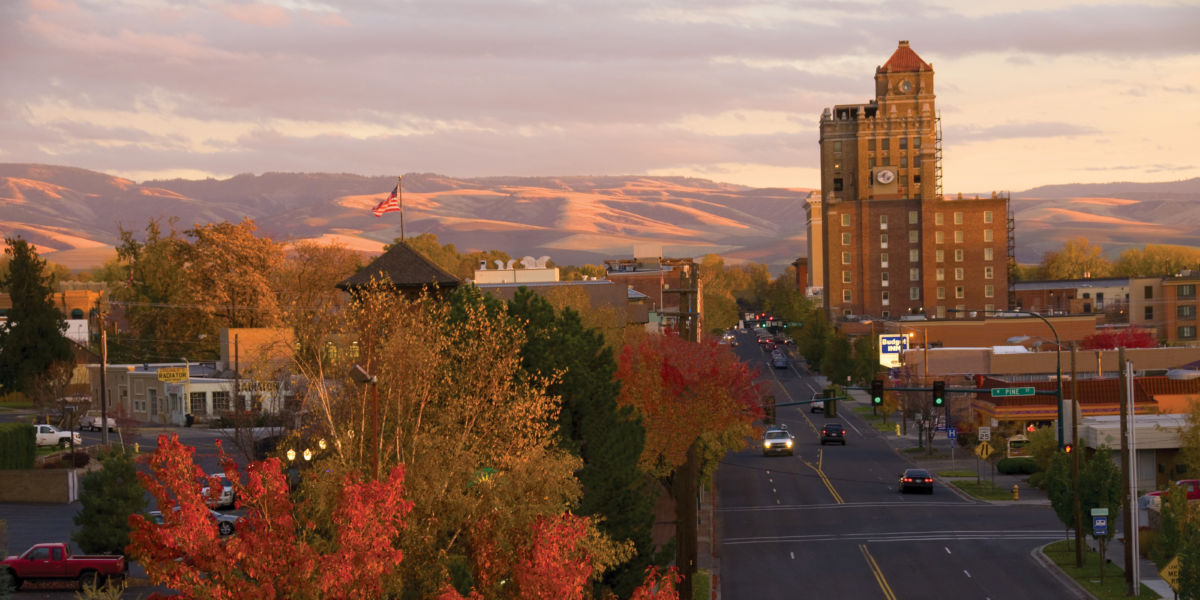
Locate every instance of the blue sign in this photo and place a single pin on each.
(952, 433)
(1099, 526)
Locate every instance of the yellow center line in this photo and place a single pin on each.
(783, 389)
(828, 484)
(883, 584)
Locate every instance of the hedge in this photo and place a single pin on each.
(1016, 466)
(18, 445)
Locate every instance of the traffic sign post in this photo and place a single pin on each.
(985, 434)
(1100, 519)
(1099, 526)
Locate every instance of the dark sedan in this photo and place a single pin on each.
(916, 479)
(833, 433)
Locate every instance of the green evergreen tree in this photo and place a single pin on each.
(33, 337)
(1059, 489)
(107, 498)
(607, 437)
(866, 360)
(1100, 484)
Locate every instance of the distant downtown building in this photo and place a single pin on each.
(882, 240)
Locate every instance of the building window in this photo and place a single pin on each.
(938, 219)
(939, 237)
(846, 276)
(883, 260)
(1186, 311)
(987, 254)
(845, 239)
(197, 406)
(845, 258)
(940, 274)
(959, 293)
(871, 144)
(883, 278)
(987, 216)
(837, 165)
(903, 143)
(886, 298)
(914, 217)
(917, 163)
(987, 272)
(871, 163)
(1187, 332)
(883, 240)
(884, 144)
(958, 237)
(958, 274)
(1148, 292)
(846, 296)
(916, 142)
(837, 184)
(987, 235)
(883, 221)
(914, 274)
(837, 146)
(939, 255)
(941, 293)
(958, 255)
(958, 218)
(914, 293)
(914, 255)
(913, 236)
(220, 401)
(1187, 291)
(903, 160)
(845, 219)
(1149, 314)
(989, 291)
(987, 308)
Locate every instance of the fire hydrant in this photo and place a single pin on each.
(135, 447)
(1016, 492)
(897, 430)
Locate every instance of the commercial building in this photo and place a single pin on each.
(883, 240)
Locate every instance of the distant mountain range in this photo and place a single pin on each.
(74, 215)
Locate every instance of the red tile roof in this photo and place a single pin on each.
(904, 60)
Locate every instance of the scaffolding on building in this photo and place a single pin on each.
(1012, 249)
(937, 156)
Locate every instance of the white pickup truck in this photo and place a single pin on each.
(93, 422)
(48, 435)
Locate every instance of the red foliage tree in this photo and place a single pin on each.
(272, 555)
(1119, 338)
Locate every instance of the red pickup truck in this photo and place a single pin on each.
(54, 561)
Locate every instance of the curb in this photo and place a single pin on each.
(1058, 573)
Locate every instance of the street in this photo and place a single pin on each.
(829, 521)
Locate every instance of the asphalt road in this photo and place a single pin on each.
(829, 522)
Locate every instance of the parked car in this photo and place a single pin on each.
(226, 499)
(49, 435)
(833, 433)
(54, 561)
(94, 422)
(1154, 499)
(916, 479)
(226, 524)
(778, 440)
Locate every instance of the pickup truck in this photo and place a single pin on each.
(48, 435)
(1190, 486)
(54, 561)
(94, 422)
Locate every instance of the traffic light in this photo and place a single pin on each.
(1067, 448)
(939, 393)
(876, 392)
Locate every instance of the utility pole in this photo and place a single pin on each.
(1128, 516)
(1077, 415)
(103, 378)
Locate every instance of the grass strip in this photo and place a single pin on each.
(1062, 553)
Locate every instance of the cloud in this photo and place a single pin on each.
(968, 134)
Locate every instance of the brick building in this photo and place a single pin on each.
(1179, 308)
(884, 241)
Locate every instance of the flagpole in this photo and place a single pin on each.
(400, 196)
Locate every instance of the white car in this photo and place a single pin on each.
(48, 435)
(816, 405)
(226, 499)
(226, 524)
(93, 422)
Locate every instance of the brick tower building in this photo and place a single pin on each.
(883, 241)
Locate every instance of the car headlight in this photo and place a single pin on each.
(789, 443)
(766, 444)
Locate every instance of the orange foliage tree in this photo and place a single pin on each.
(1120, 338)
(274, 554)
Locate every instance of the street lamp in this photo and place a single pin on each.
(1058, 392)
(360, 375)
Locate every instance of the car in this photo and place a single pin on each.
(94, 422)
(816, 405)
(1154, 499)
(916, 479)
(778, 440)
(226, 499)
(779, 360)
(226, 524)
(55, 561)
(833, 433)
(48, 435)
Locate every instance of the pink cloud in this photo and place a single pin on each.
(263, 15)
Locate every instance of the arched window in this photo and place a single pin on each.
(77, 313)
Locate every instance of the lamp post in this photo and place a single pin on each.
(360, 375)
(1058, 391)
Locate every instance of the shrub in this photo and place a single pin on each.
(18, 445)
(1016, 466)
(1037, 479)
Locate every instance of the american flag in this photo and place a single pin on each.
(389, 204)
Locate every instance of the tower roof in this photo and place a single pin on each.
(905, 60)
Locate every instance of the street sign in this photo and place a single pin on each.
(985, 434)
(1099, 526)
(1012, 391)
(984, 450)
(890, 348)
(1170, 573)
(952, 433)
(173, 374)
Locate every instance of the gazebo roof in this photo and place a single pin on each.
(402, 267)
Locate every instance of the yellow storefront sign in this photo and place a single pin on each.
(173, 374)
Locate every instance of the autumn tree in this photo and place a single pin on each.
(607, 437)
(785, 299)
(1156, 260)
(1077, 259)
(277, 552)
(448, 257)
(865, 364)
(306, 285)
(1119, 338)
(574, 273)
(229, 274)
(815, 335)
(720, 306)
(838, 358)
(32, 338)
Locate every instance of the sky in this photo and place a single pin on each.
(1030, 92)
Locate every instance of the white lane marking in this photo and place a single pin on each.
(792, 554)
(947, 550)
(851, 426)
(968, 573)
(777, 501)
